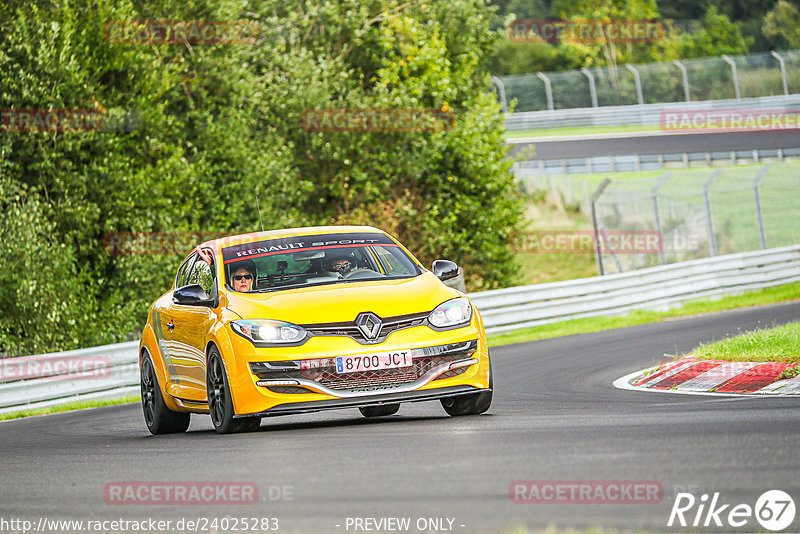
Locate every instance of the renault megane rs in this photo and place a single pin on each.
(309, 319)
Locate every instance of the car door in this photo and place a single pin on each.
(163, 325)
(189, 332)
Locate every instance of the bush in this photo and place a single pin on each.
(216, 125)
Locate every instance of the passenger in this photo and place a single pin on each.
(243, 275)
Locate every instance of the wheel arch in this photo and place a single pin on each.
(236, 371)
(161, 377)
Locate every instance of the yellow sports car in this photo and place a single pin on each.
(309, 319)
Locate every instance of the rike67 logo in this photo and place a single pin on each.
(774, 510)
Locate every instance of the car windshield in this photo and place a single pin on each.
(304, 261)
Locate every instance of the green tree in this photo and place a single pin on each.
(717, 36)
(216, 125)
(782, 21)
(606, 52)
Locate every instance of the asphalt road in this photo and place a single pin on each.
(658, 144)
(556, 416)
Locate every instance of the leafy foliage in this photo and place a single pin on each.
(781, 21)
(717, 36)
(700, 29)
(215, 125)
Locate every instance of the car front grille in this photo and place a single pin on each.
(323, 371)
(389, 325)
(378, 379)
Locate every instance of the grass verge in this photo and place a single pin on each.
(581, 131)
(771, 295)
(78, 405)
(778, 344)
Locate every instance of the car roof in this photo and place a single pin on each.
(287, 232)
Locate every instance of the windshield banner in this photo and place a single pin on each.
(303, 242)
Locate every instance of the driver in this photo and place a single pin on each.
(243, 274)
(341, 262)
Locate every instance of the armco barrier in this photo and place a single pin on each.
(112, 370)
(650, 162)
(651, 289)
(30, 382)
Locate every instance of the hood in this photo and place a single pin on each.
(335, 303)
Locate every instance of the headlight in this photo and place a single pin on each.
(451, 313)
(268, 331)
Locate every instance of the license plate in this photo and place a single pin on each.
(374, 362)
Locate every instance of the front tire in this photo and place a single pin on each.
(159, 418)
(379, 411)
(220, 402)
(472, 404)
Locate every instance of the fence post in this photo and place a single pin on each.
(585, 196)
(662, 259)
(783, 71)
(762, 236)
(595, 197)
(685, 77)
(712, 239)
(501, 91)
(592, 88)
(730, 62)
(569, 191)
(609, 246)
(548, 89)
(637, 82)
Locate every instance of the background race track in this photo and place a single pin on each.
(556, 416)
(657, 143)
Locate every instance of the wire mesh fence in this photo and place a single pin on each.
(696, 213)
(718, 78)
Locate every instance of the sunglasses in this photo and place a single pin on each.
(243, 277)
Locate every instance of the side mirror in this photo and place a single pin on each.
(444, 269)
(192, 295)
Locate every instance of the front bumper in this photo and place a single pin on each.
(301, 379)
(373, 400)
(320, 376)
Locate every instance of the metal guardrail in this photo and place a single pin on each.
(654, 288)
(30, 382)
(650, 162)
(112, 370)
(641, 114)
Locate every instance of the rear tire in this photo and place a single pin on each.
(158, 418)
(471, 404)
(220, 402)
(379, 411)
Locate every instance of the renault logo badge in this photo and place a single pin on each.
(369, 324)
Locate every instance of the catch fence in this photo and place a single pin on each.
(718, 78)
(698, 212)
